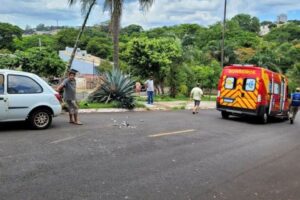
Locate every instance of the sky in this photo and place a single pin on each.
(162, 12)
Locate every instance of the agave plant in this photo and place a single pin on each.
(115, 87)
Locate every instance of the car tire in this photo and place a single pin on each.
(225, 115)
(40, 119)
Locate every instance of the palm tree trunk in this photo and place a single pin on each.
(116, 17)
(78, 37)
(116, 31)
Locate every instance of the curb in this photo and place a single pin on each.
(115, 110)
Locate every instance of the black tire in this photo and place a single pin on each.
(225, 115)
(40, 119)
(264, 119)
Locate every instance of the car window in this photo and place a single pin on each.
(230, 83)
(249, 84)
(1, 84)
(276, 88)
(22, 85)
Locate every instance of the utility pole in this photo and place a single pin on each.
(40, 43)
(223, 34)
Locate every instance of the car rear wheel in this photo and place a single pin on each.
(40, 119)
(225, 115)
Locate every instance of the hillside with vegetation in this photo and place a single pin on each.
(178, 56)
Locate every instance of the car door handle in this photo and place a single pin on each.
(1, 99)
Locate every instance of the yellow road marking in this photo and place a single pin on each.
(172, 133)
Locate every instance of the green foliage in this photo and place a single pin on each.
(7, 33)
(132, 29)
(101, 47)
(105, 66)
(43, 62)
(8, 61)
(247, 23)
(285, 33)
(116, 87)
(294, 76)
(33, 41)
(151, 56)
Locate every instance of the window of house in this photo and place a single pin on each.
(22, 85)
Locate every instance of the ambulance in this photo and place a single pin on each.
(252, 90)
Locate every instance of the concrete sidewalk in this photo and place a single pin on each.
(170, 105)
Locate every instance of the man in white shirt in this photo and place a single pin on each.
(150, 89)
(196, 95)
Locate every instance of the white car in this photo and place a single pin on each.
(27, 97)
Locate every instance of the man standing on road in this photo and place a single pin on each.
(69, 86)
(196, 95)
(150, 89)
(294, 105)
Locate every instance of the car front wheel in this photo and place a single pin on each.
(40, 119)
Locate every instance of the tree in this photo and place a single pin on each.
(247, 23)
(132, 29)
(101, 47)
(284, 33)
(33, 41)
(7, 33)
(42, 61)
(41, 27)
(153, 56)
(115, 7)
(8, 61)
(86, 8)
(294, 76)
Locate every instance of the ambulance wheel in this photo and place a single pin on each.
(264, 119)
(225, 115)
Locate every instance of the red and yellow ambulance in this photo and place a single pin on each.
(252, 90)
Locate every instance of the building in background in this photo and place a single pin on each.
(264, 30)
(282, 19)
(86, 65)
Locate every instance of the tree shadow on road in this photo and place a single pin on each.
(13, 126)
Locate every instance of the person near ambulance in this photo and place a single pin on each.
(196, 95)
(295, 103)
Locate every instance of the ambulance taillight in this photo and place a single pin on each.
(259, 98)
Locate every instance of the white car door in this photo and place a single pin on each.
(23, 92)
(3, 100)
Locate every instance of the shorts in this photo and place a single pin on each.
(197, 102)
(72, 107)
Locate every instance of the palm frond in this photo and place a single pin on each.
(146, 4)
(85, 4)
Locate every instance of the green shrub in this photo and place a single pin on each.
(116, 87)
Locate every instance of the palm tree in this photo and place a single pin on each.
(86, 8)
(115, 7)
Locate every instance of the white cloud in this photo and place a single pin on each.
(163, 12)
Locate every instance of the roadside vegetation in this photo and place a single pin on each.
(178, 56)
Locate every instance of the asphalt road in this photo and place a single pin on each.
(170, 155)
